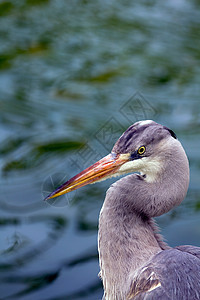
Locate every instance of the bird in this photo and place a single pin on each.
(135, 261)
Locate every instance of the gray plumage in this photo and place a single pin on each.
(135, 262)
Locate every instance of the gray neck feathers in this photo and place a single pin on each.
(128, 237)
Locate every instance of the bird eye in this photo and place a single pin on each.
(141, 150)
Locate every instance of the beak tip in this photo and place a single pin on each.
(50, 196)
(46, 198)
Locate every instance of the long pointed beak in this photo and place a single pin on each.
(105, 167)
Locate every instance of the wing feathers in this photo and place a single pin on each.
(145, 281)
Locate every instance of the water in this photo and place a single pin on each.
(73, 76)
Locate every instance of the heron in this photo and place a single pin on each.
(135, 261)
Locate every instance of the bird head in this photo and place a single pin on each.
(146, 147)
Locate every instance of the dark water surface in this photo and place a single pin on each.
(73, 76)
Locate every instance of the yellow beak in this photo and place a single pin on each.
(105, 167)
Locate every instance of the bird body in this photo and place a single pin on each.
(135, 262)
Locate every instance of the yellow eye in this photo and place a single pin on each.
(141, 150)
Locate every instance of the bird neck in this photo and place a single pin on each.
(128, 237)
(127, 241)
